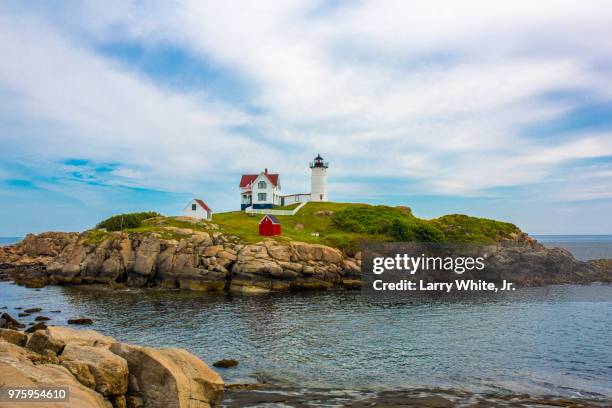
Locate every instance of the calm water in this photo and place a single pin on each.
(9, 240)
(583, 247)
(342, 340)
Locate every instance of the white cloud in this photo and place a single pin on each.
(436, 92)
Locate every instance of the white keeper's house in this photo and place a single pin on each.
(198, 209)
(263, 190)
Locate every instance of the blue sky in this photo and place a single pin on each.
(494, 109)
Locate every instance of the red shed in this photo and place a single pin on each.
(269, 226)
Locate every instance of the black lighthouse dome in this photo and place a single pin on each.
(319, 162)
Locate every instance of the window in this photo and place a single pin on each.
(261, 184)
(193, 207)
(261, 196)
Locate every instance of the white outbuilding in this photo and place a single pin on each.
(198, 209)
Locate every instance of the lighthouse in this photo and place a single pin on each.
(318, 179)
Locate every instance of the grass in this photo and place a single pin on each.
(341, 225)
(156, 225)
(346, 225)
(307, 221)
(287, 207)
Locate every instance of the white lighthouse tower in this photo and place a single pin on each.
(318, 179)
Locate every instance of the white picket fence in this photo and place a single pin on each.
(271, 211)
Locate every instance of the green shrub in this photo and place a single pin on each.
(415, 230)
(371, 219)
(463, 228)
(395, 222)
(126, 221)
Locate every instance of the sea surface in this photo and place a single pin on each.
(343, 340)
(9, 240)
(583, 247)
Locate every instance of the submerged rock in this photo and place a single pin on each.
(9, 322)
(80, 320)
(226, 363)
(36, 326)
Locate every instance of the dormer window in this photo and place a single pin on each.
(261, 184)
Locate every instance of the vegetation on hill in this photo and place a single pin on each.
(126, 221)
(462, 228)
(341, 225)
(396, 222)
(346, 226)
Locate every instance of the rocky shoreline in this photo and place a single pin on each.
(100, 372)
(202, 261)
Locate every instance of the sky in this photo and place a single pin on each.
(490, 108)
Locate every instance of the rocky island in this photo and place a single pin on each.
(179, 252)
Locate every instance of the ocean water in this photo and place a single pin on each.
(9, 240)
(343, 340)
(583, 247)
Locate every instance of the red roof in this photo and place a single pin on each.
(247, 179)
(203, 204)
(271, 218)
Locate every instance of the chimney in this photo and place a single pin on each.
(266, 170)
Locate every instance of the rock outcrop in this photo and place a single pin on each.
(101, 372)
(197, 261)
(203, 261)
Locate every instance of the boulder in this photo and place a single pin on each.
(315, 252)
(279, 252)
(145, 260)
(13, 337)
(54, 338)
(112, 269)
(40, 342)
(169, 378)
(127, 254)
(17, 370)
(211, 250)
(91, 267)
(82, 372)
(71, 260)
(109, 371)
(33, 310)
